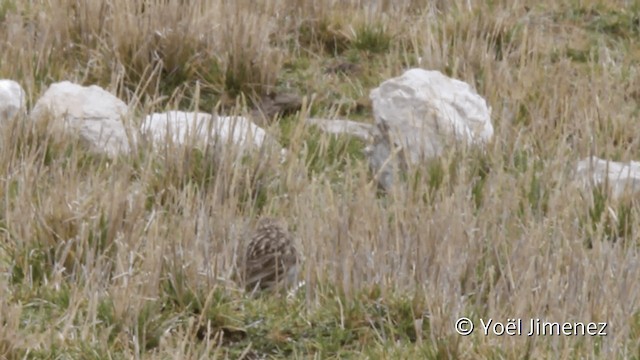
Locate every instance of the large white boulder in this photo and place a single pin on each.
(620, 178)
(12, 99)
(199, 129)
(91, 113)
(423, 113)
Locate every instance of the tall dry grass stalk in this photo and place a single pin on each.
(134, 257)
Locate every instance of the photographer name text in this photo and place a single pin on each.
(532, 327)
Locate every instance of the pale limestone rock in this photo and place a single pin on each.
(338, 127)
(620, 178)
(199, 129)
(424, 113)
(12, 100)
(90, 112)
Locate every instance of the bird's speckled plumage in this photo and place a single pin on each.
(271, 260)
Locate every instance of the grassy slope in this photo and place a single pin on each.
(135, 257)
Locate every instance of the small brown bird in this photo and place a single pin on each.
(271, 261)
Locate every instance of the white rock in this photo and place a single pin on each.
(425, 113)
(426, 110)
(190, 128)
(620, 178)
(91, 113)
(336, 126)
(12, 99)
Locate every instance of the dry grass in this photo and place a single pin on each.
(135, 257)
